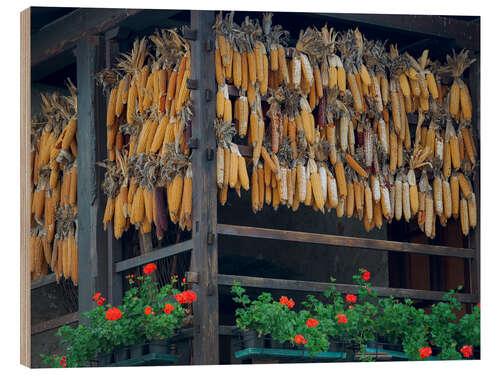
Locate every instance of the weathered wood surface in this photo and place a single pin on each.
(344, 241)
(42, 281)
(153, 256)
(64, 33)
(204, 212)
(55, 323)
(465, 34)
(92, 240)
(313, 286)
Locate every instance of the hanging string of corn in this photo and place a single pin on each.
(53, 241)
(327, 122)
(148, 178)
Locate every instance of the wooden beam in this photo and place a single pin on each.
(204, 255)
(42, 281)
(64, 33)
(54, 323)
(92, 240)
(465, 34)
(344, 241)
(313, 286)
(154, 255)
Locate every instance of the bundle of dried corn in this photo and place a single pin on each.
(54, 187)
(148, 175)
(329, 125)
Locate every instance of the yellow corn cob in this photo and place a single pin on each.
(398, 198)
(176, 196)
(236, 68)
(464, 216)
(472, 211)
(340, 177)
(464, 185)
(110, 119)
(233, 166)
(454, 99)
(454, 187)
(242, 173)
(447, 205)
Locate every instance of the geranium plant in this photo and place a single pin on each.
(357, 319)
(148, 312)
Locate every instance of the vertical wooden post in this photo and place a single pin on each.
(114, 251)
(204, 254)
(92, 244)
(475, 238)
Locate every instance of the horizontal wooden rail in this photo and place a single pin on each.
(314, 286)
(164, 252)
(344, 241)
(42, 281)
(54, 323)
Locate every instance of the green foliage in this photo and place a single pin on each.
(367, 319)
(100, 335)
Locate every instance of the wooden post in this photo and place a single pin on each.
(114, 247)
(92, 244)
(204, 254)
(475, 237)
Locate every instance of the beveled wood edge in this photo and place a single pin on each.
(25, 139)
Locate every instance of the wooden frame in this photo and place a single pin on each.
(96, 42)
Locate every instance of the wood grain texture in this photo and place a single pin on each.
(25, 286)
(314, 286)
(204, 255)
(344, 241)
(92, 240)
(154, 255)
(55, 323)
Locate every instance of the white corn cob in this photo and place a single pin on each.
(332, 190)
(375, 186)
(323, 180)
(446, 199)
(438, 195)
(344, 130)
(301, 182)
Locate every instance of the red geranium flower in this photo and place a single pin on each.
(168, 308)
(466, 351)
(113, 313)
(186, 297)
(299, 339)
(425, 352)
(351, 298)
(100, 302)
(183, 280)
(312, 322)
(96, 296)
(366, 276)
(341, 318)
(148, 268)
(290, 303)
(351, 307)
(479, 304)
(148, 310)
(283, 300)
(190, 296)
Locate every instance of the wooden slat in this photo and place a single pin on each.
(313, 286)
(42, 281)
(54, 323)
(154, 255)
(344, 241)
(25, 191)
(465, 34)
